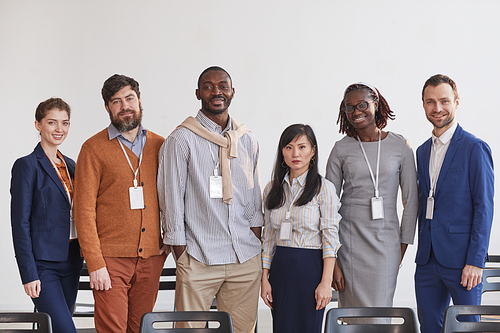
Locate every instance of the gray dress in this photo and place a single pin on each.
(371, 250)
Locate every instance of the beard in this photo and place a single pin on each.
(206, 106)
(445, 122)
(129, 123)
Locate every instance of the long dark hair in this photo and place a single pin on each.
(276, 197)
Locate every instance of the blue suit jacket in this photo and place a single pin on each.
(459, 231)
(40, 212)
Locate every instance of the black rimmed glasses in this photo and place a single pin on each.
(361, 106)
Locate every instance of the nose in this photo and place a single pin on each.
(295, 152)
(58, 127)
(438, 107)
(216, 90)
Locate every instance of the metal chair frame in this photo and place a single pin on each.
(224, 319)
(409, 326)
(41, 321)
(450, 323)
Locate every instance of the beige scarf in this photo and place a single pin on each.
(228, 148)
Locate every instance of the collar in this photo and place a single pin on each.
(446, 136)
(113, 132)
(301, 179)
(212, 126)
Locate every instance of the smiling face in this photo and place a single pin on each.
(53, 128)
(297, 155)
(124, 108)
(215, 92)
(361, 119)
(440, 106)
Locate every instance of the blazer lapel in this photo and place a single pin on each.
(49, 169)
(448, 158)
(426, 155)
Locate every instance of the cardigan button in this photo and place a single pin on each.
(140, 250)
(142, 183)
(143, 229)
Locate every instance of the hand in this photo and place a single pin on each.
(265, 290)
(338, 278)
(165, 249)
(99, 280)
(178, 251)
(323, 294)
(471, 276)
(33, 288)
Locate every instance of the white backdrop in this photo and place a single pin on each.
(290, 62)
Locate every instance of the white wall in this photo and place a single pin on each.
(290, 62)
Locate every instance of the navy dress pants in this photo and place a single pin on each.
(59, 282)
(435, 285)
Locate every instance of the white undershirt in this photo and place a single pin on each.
(438, 152)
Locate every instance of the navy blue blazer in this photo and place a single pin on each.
(40, 212)
(459, 231)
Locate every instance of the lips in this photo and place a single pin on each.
(218, 100)
(358, 119)
(126, 113)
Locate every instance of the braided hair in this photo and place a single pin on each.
(382, 113)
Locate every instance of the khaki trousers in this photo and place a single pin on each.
(235, 287)
(134, 287)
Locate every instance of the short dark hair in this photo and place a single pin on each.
(436, 80)
(276, 196)
(382, 114)
(51, 103)
(116, 82)
(212, 69)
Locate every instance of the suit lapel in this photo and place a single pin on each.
(49, 169)
(448, 158)
(426, 155)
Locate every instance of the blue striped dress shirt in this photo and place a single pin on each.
(214, 233)
(314, 225)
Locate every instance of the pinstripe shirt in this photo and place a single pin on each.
(214, 233)
(314, 225)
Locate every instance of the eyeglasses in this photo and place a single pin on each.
(361, 106)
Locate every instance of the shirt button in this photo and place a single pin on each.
(143, 229)
(140, 250)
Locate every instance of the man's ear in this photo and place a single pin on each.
(197, 93)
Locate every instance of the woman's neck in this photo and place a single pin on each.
(369, 134)
(50, 151)
(296, 174)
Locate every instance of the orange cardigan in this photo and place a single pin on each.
(105, 224)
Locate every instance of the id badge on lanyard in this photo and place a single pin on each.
(136, 194)
(286, 227)
(376, 202)
(215, 185)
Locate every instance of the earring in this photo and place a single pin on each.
(312, 161)
(284, 166)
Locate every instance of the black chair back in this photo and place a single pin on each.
(332, 324)
(39, 319)
(490, 285)
(224, 319)
(451, 324)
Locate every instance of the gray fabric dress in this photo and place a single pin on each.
(371, 251)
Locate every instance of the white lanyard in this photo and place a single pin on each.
(129, 163)
(216, 168)
(294, 197)
(374, 180)
(69, 177)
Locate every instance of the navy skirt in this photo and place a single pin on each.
(294, 275)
